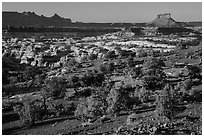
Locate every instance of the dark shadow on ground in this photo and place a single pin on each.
(10, 130)
(8, 117)
(53, 120)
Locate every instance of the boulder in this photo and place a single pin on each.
(24, 60)
(33, 63)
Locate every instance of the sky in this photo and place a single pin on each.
(111, 12)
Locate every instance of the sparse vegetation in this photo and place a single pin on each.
(29, 112)
(92, 85)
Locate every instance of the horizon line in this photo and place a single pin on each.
(91, 21)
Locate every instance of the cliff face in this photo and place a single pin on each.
(164, 20)
(31, 19)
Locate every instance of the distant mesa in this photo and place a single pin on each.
(31, 19)
(164, 20)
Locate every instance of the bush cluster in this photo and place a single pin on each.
(58, 108)
(91, 107)
(30, 111)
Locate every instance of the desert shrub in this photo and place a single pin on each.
(178, 86)
(54, 108)
(96, 105)
(193, 95)
(73, 81)
(153, 75)
(70, 94)
(183, 89)
(135, 72)
(109, 54)
(102, 68)
(152, 64)
(119, 99)
(144, 95)
(29, 112)
(130, 62)
(87, 78)
(107, 68)
(91, 107)
(187, 84)
(59, 108)
(30, 72)
(166, 102)
(39, 80)
(141, 53)
(113, 102)
(136, 96)
(166, 107)
(160, 108)
(93, 56)
(69, 107)
(194, 72)
(99, 79)
(13, 80)
(124, 53)
(25, 114)
(110, 67)
(55, 87)
(84, 92)
(70, 63)
(7, 105)
(92, 79)
(153, 82)
(7, 90)
(81, 111)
